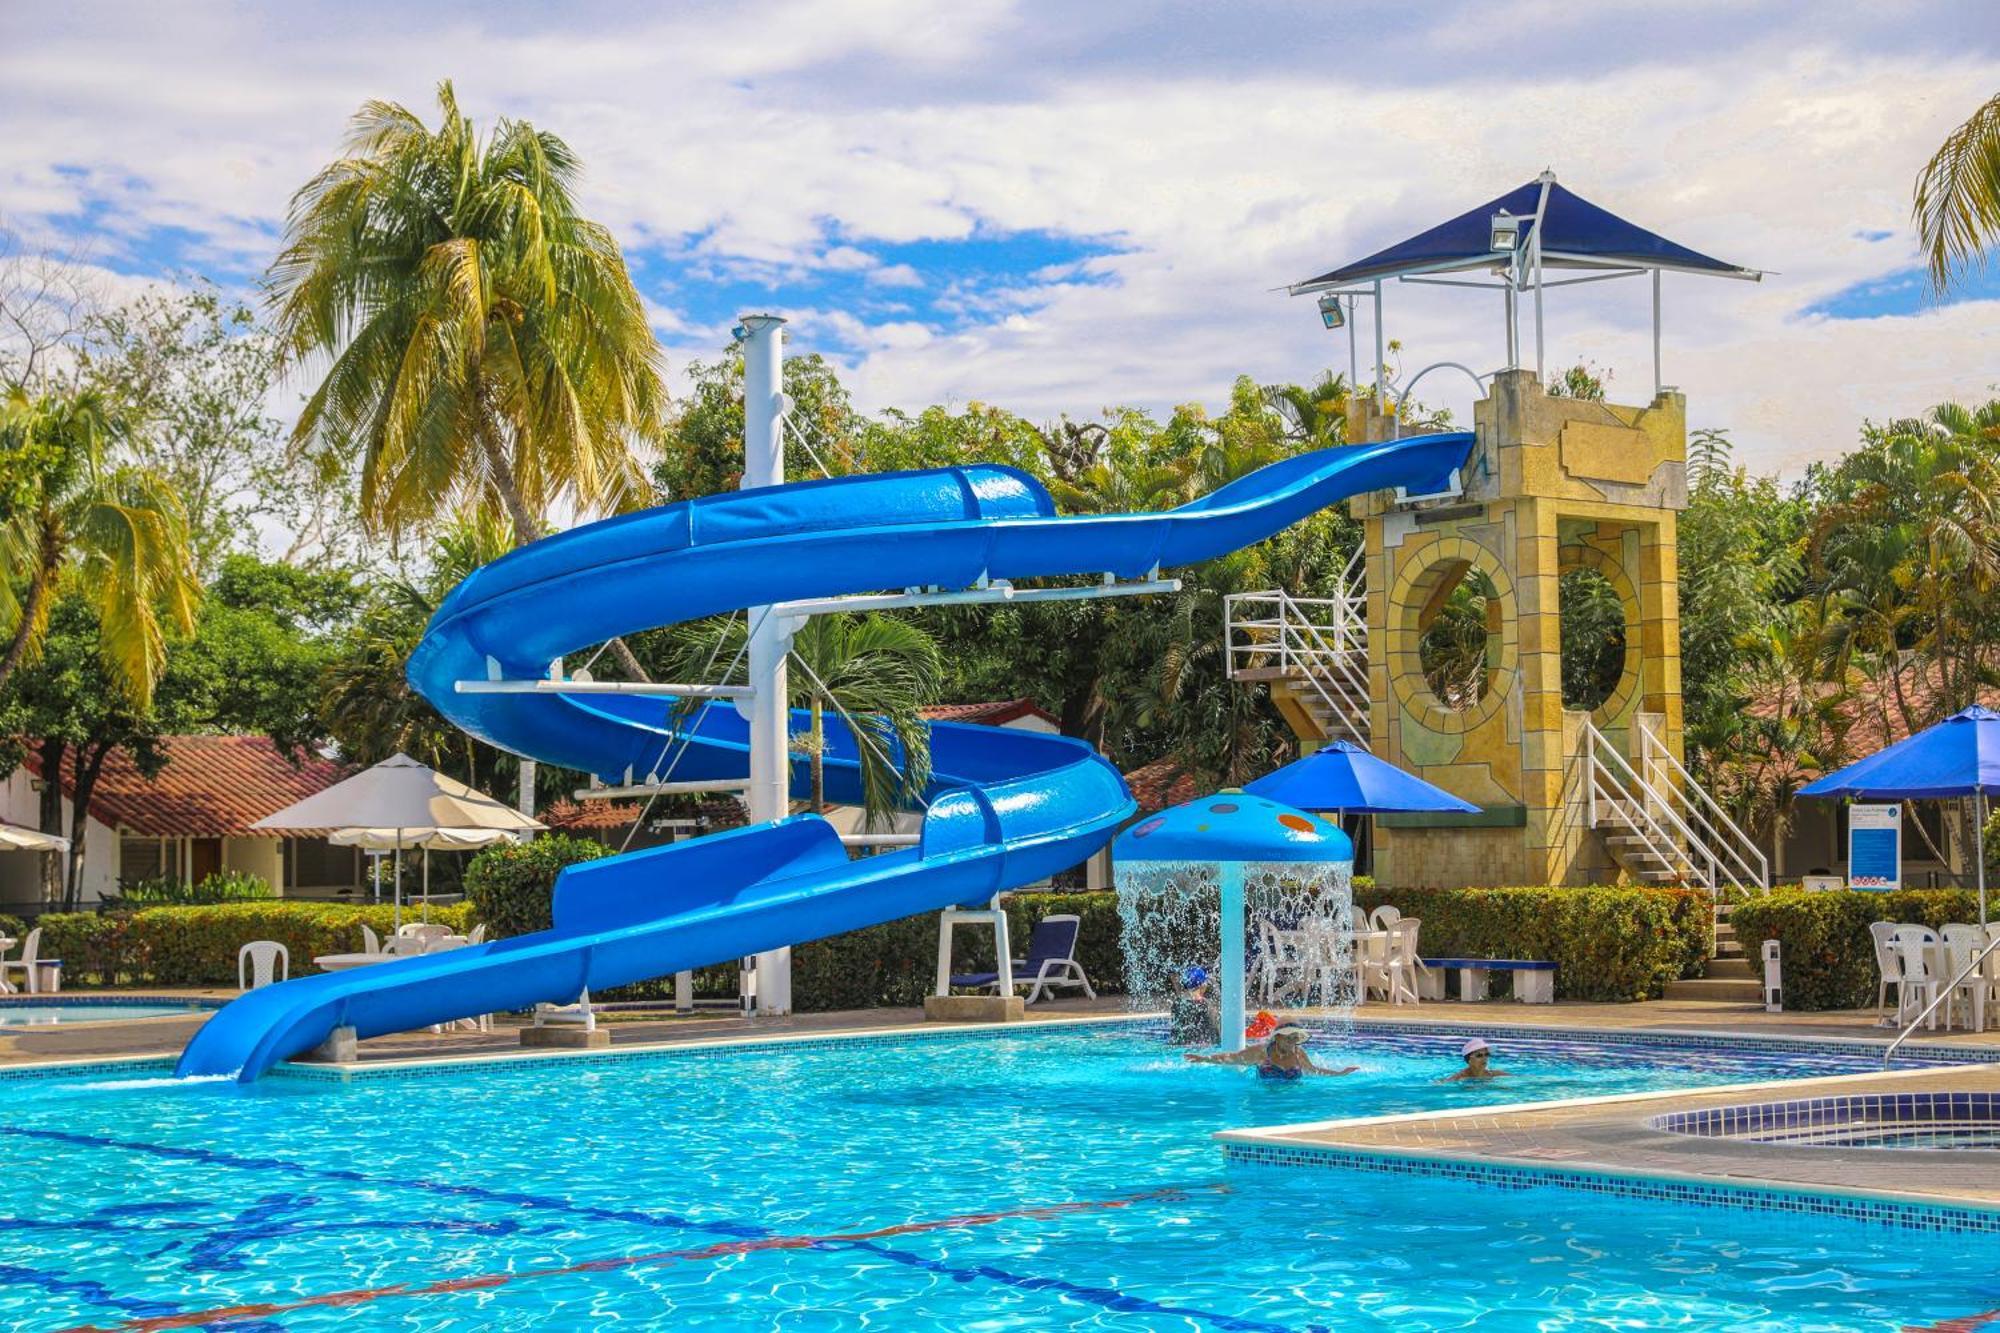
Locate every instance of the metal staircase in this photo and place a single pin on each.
(1662, 828)
(1311, 651)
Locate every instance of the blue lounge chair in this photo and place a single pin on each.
(1051, 961)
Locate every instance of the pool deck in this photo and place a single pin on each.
(1611, 1135)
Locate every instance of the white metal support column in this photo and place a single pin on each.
(1659, 379)
(770, 759)
(1380, 351)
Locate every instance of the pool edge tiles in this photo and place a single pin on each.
(1610, 1145)
(1885, 1207)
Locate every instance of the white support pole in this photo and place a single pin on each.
(770, 756)
(1231, 959)
(1379, 351)
(1541, 370)
(1513, 322)
(1659, 379)
(1353, 354)
(525, 797)
(1979, 848)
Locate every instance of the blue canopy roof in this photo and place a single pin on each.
(1343, 776)
(1232, 826)
(1575, 234)
(1959, 756)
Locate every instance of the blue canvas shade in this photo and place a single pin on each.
(1343, 776)
(1232, 826)
(1959, 756)
(1575, 234)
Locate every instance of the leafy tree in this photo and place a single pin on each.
(192, 374)
(90, 513)
(1593, 637)
(1957, 203)
(703, 449)
(484, 345)
(876, 670)
(72, 711)
(1315, 415)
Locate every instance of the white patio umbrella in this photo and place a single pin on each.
(14, 838)
(429, 839)
(403, 799)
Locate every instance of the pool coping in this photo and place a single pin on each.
(1763, 1187)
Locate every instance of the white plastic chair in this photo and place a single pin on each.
(370, 941)
(1888, 966)
(1961, 945)
(32, 965)
(478, 935)
(1915, 948)
(417, 937)
(1404, 965)
(1384, 917)
(267, 961)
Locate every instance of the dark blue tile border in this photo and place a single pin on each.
(1848, 1207)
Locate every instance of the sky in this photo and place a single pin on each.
(1061, 208)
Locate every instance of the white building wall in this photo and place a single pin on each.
(20, 872)
(255, 856)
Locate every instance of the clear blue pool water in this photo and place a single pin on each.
(1030, 1181)
(28, 1013)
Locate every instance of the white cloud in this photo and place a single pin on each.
(765, 142)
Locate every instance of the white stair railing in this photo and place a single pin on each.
(1659, 809)
(1726, 842)
(1617, 798)
(1319, 642)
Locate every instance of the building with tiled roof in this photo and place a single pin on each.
(1023, 714)
(1161, 784)
(188, 821)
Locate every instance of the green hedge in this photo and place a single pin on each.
(511, 885)
(196, 946)
(1828, 957)
(1623, 943)
(896, 963)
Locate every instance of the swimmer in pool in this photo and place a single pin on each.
(1195, 1015)
(1477, 1055)
(1283, 1058)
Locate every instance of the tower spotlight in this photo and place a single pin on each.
(1332, 312)
(1506, 231)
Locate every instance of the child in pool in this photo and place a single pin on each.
(1282, 1058)
(1195, 1016)
(1477, 1054)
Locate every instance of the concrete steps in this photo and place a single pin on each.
(1719, 990)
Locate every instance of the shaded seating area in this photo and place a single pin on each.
(1051, 963)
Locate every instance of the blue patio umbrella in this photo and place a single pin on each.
(1957, 757)
(1343, 776)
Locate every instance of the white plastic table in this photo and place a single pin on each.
(342, 962)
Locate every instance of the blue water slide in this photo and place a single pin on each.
(1003, 808)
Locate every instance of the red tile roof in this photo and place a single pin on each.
(995, 713)
(1161, 784)
(587, 816)
(211, 786)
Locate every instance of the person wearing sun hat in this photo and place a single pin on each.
(1283, 1058)
(1477, 1055)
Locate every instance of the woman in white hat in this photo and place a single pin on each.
(1477, 1055)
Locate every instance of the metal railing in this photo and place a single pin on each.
(1612, 786)
(1321, 642)
(1668, 779)
(1943, 995)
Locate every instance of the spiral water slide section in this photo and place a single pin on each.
(1004, 808)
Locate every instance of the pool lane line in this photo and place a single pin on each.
(1105, 1297)
(157, 1323)
(1964, 1323)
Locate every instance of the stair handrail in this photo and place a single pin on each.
(1706, 810)
(1944, 994)
(1658, 842)
(1302, 644)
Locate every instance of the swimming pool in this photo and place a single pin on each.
(1025, 1179)
(38, 1012)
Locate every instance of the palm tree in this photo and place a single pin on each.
(1957, 203)
(483, 342)
(1315, 415)
(875, 670)
(78, 508)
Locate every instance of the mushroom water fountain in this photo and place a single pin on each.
(1192, 879)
